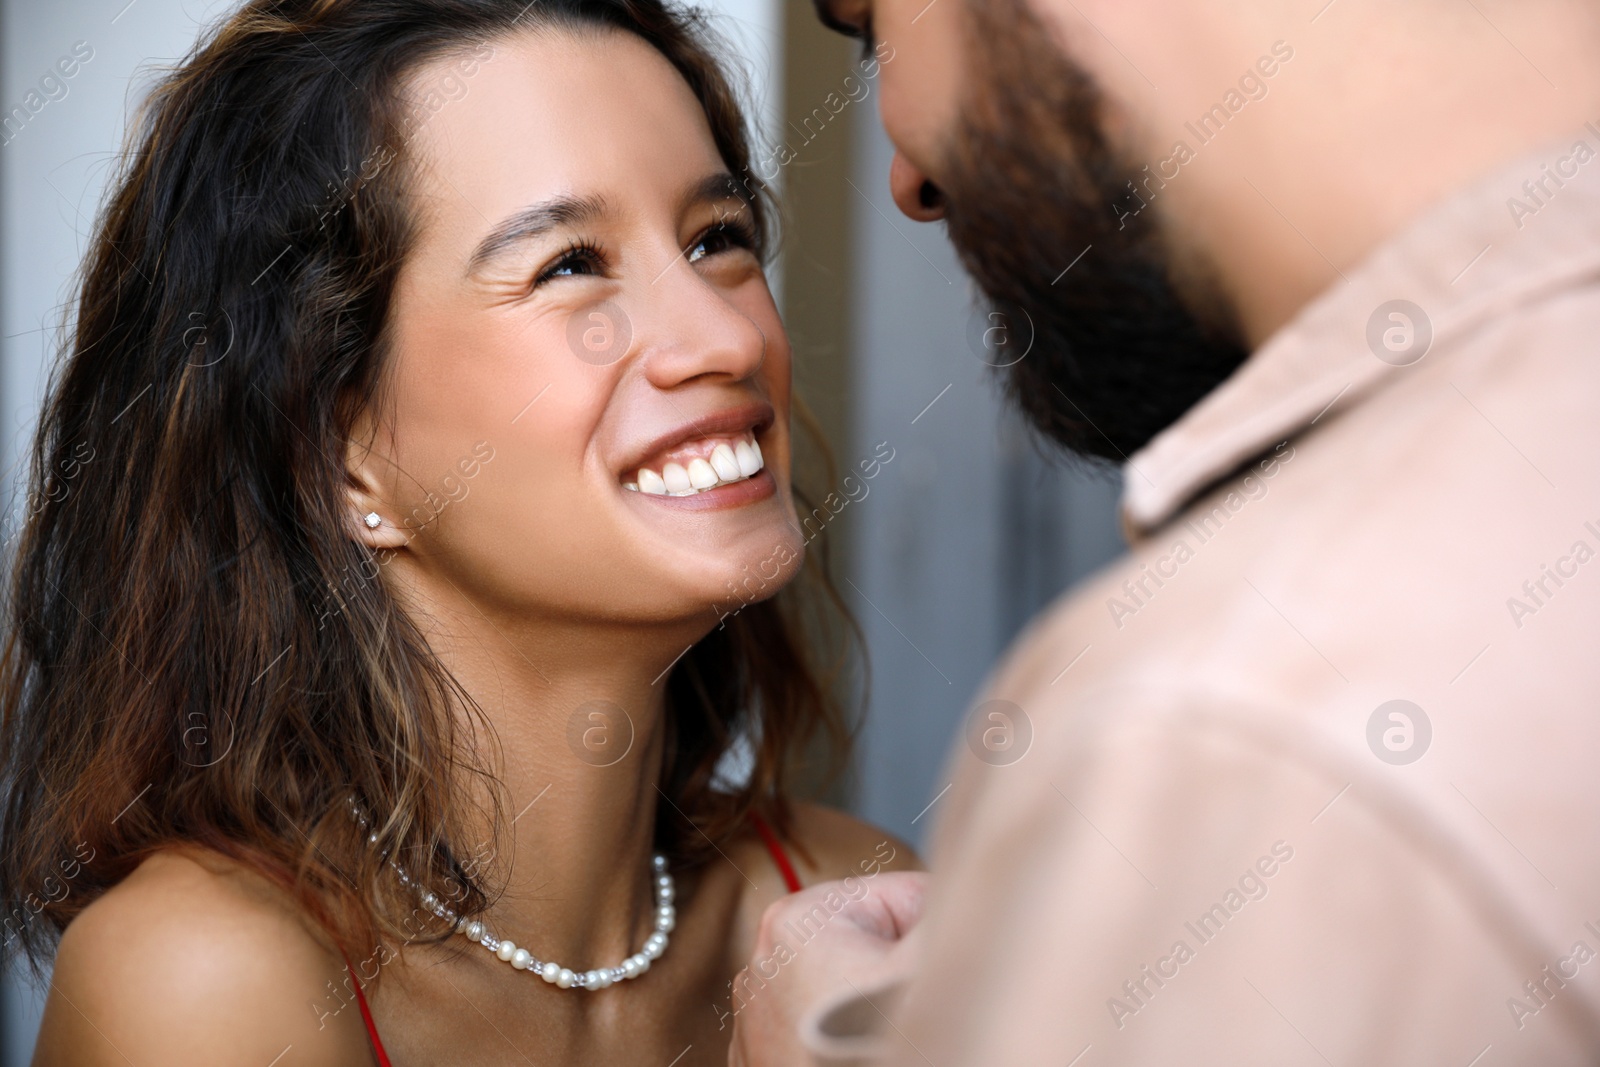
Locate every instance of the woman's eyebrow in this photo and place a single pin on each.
(716, 187)
(534, 221)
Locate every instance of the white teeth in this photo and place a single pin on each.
(701, 474)
(726, 464)
(745, 456)
(676, 479)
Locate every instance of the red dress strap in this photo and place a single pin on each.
(779, 856)
(366, 1017)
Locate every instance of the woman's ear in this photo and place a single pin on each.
(371, 519)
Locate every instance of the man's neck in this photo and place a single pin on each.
(1359, 133)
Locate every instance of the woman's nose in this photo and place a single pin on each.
(696, 331)
(914, 192)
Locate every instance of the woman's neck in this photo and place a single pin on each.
(576, 715)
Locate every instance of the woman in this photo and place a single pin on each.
(397, 580)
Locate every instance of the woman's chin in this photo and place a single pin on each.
(720, 549)
(757, 570)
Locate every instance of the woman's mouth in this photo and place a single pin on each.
(696, 466)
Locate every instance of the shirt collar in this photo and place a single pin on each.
(1480, 252)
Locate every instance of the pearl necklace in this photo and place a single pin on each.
(523, 960)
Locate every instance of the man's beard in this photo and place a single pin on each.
(1117, 355)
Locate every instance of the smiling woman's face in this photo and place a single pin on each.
(583, 306)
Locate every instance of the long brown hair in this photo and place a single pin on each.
(196, 651)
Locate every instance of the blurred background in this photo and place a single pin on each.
(962, 536)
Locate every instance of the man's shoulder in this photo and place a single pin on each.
(192, 955)
(1389, 544)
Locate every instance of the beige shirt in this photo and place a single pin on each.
(1223, 843)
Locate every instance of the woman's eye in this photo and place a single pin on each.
(577, 261)
(721, 238)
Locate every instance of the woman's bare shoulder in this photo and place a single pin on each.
(831, 844)
(823, 844)
(194, 959)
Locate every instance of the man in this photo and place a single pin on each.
(1312, 770)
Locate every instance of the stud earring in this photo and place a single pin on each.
(373, 520)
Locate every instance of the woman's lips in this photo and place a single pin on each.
(758, 486)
